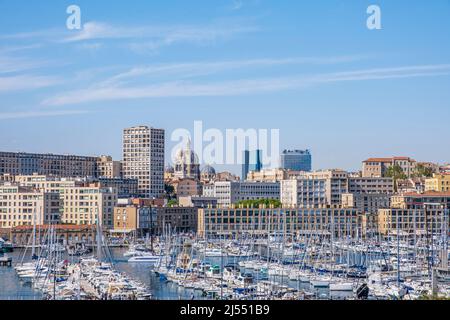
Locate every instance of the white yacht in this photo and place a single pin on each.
(147, 258)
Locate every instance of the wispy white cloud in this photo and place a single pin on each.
(148, 39)
(140, 39)
(35, 35)
(196, 69)
(239, 87)
(39, 114)
(9, 64)
(26, 82)
(10, 49)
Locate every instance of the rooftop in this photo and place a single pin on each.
(389, 159)
(428, 194)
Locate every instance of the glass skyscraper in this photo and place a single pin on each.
(252, 161)
(296, 160)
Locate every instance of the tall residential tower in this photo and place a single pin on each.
(143, 159)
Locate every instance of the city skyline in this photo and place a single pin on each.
(344, 92)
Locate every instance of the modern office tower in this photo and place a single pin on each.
(15, 163)
(296, 160)
(143, 159)
(251, 161)
(108, 168)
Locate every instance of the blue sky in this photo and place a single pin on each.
(309, 68)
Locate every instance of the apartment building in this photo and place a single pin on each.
(268, 175)
(137, 216)
(126, 188)
(108, 168)
(439, 183)
(84, 205)
(143, 159)
(82, 201)
(320, 221)
(52, 183)
(377, 167)
(197, 201)
(366, 202)
(18, 163)
(186, 187)
(414, 200)
(22, 206)
(429, 221)
(315, 188)
(370, 185)
(414, 184)
(228, 192)
(178, 219)
(303, 192)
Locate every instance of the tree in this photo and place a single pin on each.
(423, 172)
(169, 191)
(172, 203)
(395, 172)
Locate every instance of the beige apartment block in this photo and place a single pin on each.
(24, 206)
(125, 218)
(81, 202)
(51, 183)
(268, 175)
(83, 205)
(186, 187)
(315, 188)
(377, 167)
(320, 220)
(439, 183)
(18, 163)
(108, 168)
(425, 221)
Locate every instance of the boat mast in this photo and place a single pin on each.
(398, 251)
(444, 228)
(33, 246)
(99, 235)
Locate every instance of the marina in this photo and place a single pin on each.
(182, 266)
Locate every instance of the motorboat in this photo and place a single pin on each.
(147, 258)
